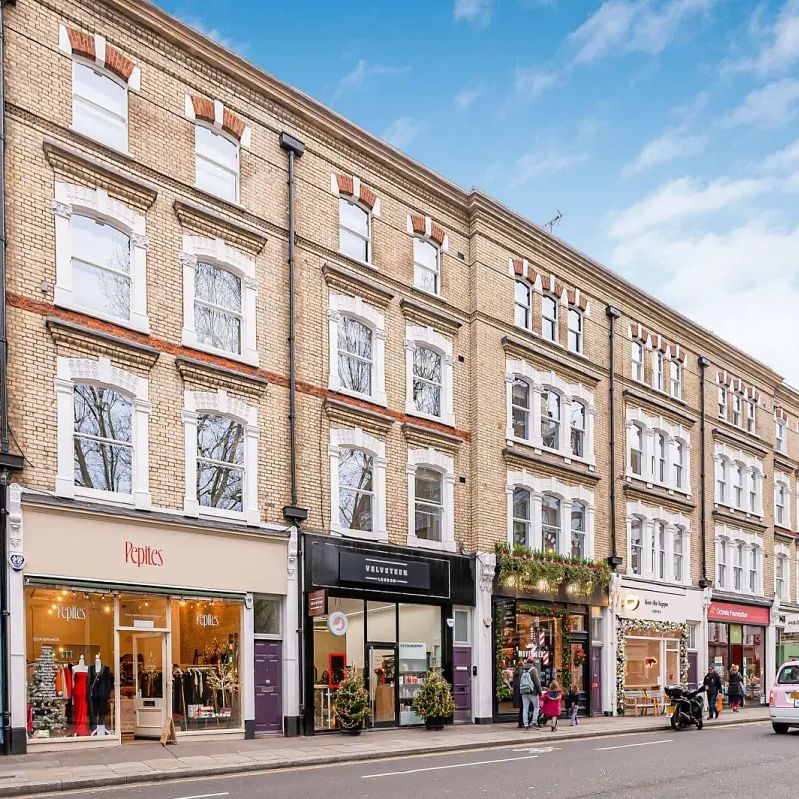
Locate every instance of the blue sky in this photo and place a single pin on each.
(665, 131)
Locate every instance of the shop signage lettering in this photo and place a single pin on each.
(143, 556)
(317, 603)
(740, 614)
(206, 620)
(71, 613)
(789, 622)
(634, 601)
(356, 568)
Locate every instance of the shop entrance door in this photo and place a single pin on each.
(383, 684)
(268, 701)
(142, 659)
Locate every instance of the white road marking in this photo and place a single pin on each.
(203, 795)
(437, 768)
(627, 746)
(538, 750)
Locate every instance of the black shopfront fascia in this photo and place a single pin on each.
(383, 572)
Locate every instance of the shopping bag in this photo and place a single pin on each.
(719, 703)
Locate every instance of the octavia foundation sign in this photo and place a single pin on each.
(666, 603)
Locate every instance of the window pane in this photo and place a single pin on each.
(428, 485)
(106, 467)
(266, 616)
(427, 381)
(353, 217)
(428, 490)
(217, 148)
(353, 246)
(521, 504)
(217, 286)
(355, 475)
(550, 418)
(103, 413)
(425, 279)
(217, 180)
(100, 125)
(220, 439)
(217, 329)
(99, 89)
(355, 355)
(522, 291)
(425, 254)
(520, 406)
(550, 523)
(219, 487)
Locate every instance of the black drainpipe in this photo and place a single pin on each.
(8, 461)
(703, 364)
(292, 513)
(613, 313)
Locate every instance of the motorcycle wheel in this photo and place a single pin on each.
(675, 722)
(700, 723)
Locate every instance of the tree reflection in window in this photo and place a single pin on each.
(427, 381)
(103, 439)
(217, 308)
(521, 516)
(356, 490)
(355, 355)
(220, 463)
(550, 419)
(550, 523)
(429, 504)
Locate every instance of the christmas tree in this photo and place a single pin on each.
(352, 701)
(48, 710)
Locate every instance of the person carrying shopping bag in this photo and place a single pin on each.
(735, 688)
(551, 705)
(529, 690)
(712, 683)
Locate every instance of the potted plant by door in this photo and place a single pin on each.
(434, 701)
(351, 704)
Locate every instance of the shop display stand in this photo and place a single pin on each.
(412, 672)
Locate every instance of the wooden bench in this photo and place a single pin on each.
(637, 701)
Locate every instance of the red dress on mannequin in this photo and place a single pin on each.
(80, 708)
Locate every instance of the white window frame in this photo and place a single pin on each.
(678, 535)
(751, 547)
(91, 131)
(737, 410)
(554, 321)
(567, 494)
(578, 334)
(528, 309)
(780, 435)
(219, 254)
(751, 416)
(100, 372)
(784, 480)
(658, 369)
(445, 465)
(723, 403)
(220, 403)
(652, 427)
(342, 438)
(424, 267)
(217, 131)
(675, 378)
(342, 305)
(782, 559)
(650, 517)
(637, 363)
(570, 393)
(416, 335)
(96, 204)
(640, 547)
(343, 198)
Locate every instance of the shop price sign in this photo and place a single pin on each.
(338, 623)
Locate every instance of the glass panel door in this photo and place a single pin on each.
(382, 684)
(142, 689)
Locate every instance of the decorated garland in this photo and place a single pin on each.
(504, 692)
(533, 570)
(626, 625)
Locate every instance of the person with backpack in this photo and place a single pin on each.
(530, 690)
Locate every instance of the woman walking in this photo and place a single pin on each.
(735, 688)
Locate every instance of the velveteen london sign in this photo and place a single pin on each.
(368, 569)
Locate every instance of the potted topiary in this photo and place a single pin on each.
(433, 700)
(351, 703)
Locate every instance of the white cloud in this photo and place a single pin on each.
(622, 26)
(772, 105)
(476, 12)
(671, 146)
(217, 36)
(532, 81)
(686, 198)
(402, 131)
(785, 158)
(467, 97)
(544, 159)
(364, 71)
(782, 50)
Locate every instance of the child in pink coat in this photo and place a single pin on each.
(550, 703)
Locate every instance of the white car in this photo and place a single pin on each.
(783, 699)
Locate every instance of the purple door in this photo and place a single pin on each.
(462, 679)
(268, 699)
(693, 669)
(596, 681)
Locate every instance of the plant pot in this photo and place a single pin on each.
(434, 722)
(350, 728)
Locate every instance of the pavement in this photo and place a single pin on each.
(146, 762)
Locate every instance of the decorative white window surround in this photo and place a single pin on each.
(569, 393)
(567, 494)
(96, 203)
(355, 438)
(217, 253)
(652, 343)
(649, 515)
(652, 425)
(416, 335)
(781, 477)
(220, 403)
(343, 305)
(355, 198)
(99, 372)
(750, 541)
(445, 464)
(753, 470)
(782, 551)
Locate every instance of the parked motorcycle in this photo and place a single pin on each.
(687, 707)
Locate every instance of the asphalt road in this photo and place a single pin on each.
(737, 762)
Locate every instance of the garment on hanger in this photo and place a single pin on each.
(80, 702)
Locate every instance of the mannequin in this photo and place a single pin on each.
(80, 688)
(101, 686)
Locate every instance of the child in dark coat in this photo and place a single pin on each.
(573, 706)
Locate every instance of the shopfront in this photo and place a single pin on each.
(787, 637)
(653, 627)
(122, 626)
(737, 636)
(390, 613)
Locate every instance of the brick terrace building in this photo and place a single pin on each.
(455, 392)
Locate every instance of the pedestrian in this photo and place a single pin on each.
(517, 696)
(712, 683)
(573, 706)
(735, 689)
(529, 690)
(551, 704)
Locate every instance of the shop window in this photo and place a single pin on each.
(550, 523)
(521, 517)
(68, 696)
(206, 665)
(334, 654)
(520, 409)
(266, 615)
(550, 419)
(143, 612)
(420, 650)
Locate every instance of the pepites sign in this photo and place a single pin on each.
(143, 555)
